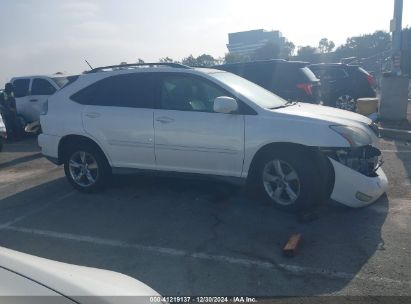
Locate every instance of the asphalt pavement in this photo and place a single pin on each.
(190, 237)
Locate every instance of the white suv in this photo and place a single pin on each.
(171, 118)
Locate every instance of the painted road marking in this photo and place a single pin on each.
(34, 211)
(294, 269)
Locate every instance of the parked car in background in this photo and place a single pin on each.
(3, 131)
(29, 279)
(291, 80)
(31, 92)
(342, 84)
(172, 118)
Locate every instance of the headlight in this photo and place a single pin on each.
(355, 136)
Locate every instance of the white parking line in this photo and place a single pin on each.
(34, 211)
(395, 151)
(294, 269)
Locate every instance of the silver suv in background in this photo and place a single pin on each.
(31, 93)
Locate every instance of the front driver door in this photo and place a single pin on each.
(189, 135)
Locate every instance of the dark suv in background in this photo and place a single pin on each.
(342, 84)
(291, 80)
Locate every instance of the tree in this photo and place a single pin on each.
(166, 60)
(287, 50)
(140, 61)
(326, 46)
(206, 60)
(267, 52)
(365, 46)
(190, 61)
(307, 53)
(203, 60)
(235, 58)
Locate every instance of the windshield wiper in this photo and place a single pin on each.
(287, 104)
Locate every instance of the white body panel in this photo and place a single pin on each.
(349, 182)
(30, 106)
(131, 143)
(200, 142)
(68, 280)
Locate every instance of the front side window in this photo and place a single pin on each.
(129, 90)
(21, 87)
(185, 93)
(42, 87)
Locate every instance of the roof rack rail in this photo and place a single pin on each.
(167, 64)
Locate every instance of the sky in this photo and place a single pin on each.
(48, 36)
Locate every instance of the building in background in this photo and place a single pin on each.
(245, 43)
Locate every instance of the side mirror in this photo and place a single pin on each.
(224, 104)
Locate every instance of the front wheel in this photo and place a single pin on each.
(292, 180)
(86, 168)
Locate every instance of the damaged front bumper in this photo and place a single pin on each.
(359, 178)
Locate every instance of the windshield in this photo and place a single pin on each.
(251, 91)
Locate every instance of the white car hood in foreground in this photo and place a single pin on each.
(332, 115)
(71, 280)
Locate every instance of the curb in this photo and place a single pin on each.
(395, 134)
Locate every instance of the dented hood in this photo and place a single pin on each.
(331, 115)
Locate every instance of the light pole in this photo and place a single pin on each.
(396, 29)
(394, 87)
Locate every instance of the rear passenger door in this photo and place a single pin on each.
(118, 114)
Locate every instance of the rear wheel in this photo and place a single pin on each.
(292, 180)
(86, 168)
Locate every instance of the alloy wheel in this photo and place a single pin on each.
(346, 102)
(281, 182)
(83, 168)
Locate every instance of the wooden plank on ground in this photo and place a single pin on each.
(291, 248)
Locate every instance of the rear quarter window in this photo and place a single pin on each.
(130, 90)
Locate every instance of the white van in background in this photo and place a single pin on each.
(31, 93)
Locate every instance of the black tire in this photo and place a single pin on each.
(91, 153)
(310, 168)
(346, 102)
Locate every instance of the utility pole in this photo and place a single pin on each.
(394, 86)
(396, 29)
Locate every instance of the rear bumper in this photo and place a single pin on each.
(49, 146)
(357, 190)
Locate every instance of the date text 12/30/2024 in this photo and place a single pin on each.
(160, 299)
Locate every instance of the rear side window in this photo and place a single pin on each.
(287, 76)
(331, 74)
(130, 90)
(261, 74)
(21, 87)
(42, 87)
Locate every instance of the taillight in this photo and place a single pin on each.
(307, 87)
(370, 79)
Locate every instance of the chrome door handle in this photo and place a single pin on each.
(164, 119)
(93, 115)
